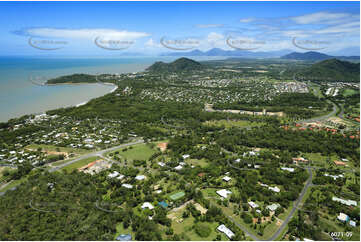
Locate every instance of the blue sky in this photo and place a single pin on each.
(116, 28)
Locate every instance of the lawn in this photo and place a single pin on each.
(348, 92)
(186, 228)
(13, 183)
(121, 230)
(137, 152)
(319, 160)
(231, 123)
(49, 148)
(79, 163)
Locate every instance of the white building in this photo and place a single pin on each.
(113, 174)
(179, 167)
(162, 164)
(224, 193)
(185, 156)
(288, 169)
(345, 202)
(147, 205)
(275, 189)
(343, 217)
(222, 228)
(127, 186)
(140, 177)
(227, 178)
(273, 207)
(253, 205)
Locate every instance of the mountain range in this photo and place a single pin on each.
(283, 54)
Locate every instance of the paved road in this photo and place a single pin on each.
(290, 215)
(95, 153)
(297, 203)
(324, 117)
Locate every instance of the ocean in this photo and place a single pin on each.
(20, 96)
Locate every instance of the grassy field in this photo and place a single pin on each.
(137, 152)
(318, 159)
(348, 92)
(13, 183)
(121, 230)
(49, 148)
(231, 123)
(186, 227)
(79, 164)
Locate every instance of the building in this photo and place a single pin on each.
(298, 160)
(113, 174)
(352, 223)
(178, 168)
(273, 207)
(140, 177)
(275, 189)
(185, 156)
(127, 186)
(343, 217)
(288, 169)
(162, 164)
(227, 178)
(339, 163)
(222, 228)
(224, 193)
(147, 205)
(345, 202)
(253, 205)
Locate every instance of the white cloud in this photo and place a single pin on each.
(209, 25)
(247, 20)
(84, 33)
(321, 17)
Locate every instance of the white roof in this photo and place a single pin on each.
(345, 202)
(161, 164)
(120, 177)
(222, 228)
(147, 205)
(237, 160)
(352, 223)
(185, 156)
(113, 174)
(127, 186)
(253, 205)
(140, 177)
(227, 178)
(288, 169)
(342, 217)
(179, 167)
(223, 193)
(275, 189)
(273, 207)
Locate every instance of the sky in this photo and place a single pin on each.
(153, 28)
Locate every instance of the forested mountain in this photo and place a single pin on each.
(333, 70)
(315, 56)
(181, 64)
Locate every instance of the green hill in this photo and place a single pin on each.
(75, 78)
(179, 65)
(332, 70)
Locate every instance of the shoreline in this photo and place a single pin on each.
(111, 91)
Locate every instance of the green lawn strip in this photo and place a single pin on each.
(187, 227)
(54, 148)
(79, 163)
(137, 152)
(232, 123)
(348, 92)
(13, 183)
(121, 230)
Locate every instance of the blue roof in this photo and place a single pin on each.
(124, 237)
(163, 204)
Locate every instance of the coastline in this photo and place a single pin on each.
(85, 102)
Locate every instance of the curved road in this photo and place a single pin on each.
(96, 153)
(289, 216)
